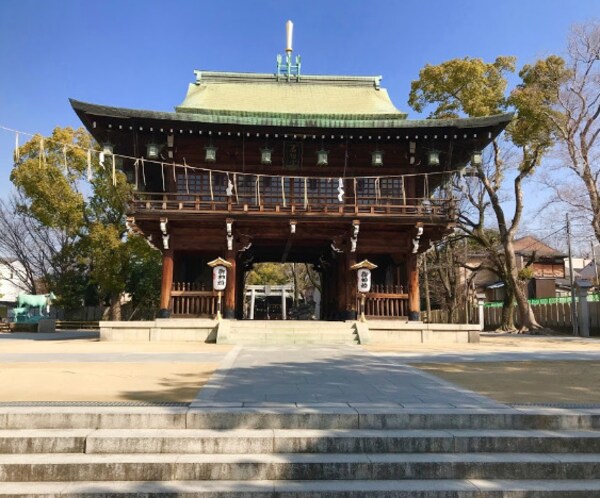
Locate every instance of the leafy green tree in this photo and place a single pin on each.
(51, 176)
(473, 87)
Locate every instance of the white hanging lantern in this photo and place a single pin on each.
(322, 157)
(476, 158)
(433, 158)
(377, 157)
(210, 154)
(266, 156)
(152, 151)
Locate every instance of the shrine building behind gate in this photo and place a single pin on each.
(288, 167)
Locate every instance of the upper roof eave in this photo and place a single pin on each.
(392, 121)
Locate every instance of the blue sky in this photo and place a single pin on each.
(141, 54)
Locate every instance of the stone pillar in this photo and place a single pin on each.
(480, 303)
(283, 303)
(166, 284)
(414, 298)
(252, 303)
(230, 294)
(583, 308)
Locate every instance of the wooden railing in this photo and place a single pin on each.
(191, 299)
(313, 204)
(386, 301)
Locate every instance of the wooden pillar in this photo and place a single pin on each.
(351, 290)
(167, 284)
(414, 298)
(340, 264)
(230, 290)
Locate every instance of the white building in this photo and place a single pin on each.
(10, 284)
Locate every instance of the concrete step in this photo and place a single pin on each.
(355, 416)
(189, 441)
(367, 417)
(68, 467)
(291, 324)
(472, 488)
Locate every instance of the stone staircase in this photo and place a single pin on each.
(218, 451)
(276, 332)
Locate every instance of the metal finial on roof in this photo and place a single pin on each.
(286, 69)
(289, 31)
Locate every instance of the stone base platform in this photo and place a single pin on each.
(288, 332)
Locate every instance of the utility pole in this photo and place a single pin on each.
(572, 280)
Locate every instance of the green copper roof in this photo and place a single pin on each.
(340, 121)
(309, 96)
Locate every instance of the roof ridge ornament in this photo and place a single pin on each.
(287, 70)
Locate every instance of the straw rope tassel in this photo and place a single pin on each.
(305, 194)
(377, 190)
(185, 173)
(258, 190)
(235, 187)
(212, 197)
(283, 191)
(136, 166)
(143, 171)
(426, 187)
(17, 147)
(162, 172)
(89, 165)
(403, 191)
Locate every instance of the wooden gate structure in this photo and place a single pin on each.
(288, 167)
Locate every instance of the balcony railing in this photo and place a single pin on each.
(386, 301)
(324, 205)
(190, 299)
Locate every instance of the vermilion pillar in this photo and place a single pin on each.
(167, 284)
(414, 298)
(230, 293)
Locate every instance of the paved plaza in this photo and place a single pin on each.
(75, 366)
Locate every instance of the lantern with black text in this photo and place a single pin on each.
(219, 278)
(363, 282)
(219, 267)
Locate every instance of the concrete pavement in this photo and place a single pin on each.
(327, 375)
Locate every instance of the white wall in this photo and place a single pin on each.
(10, 285)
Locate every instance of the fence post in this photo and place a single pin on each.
(481, 313)
(584, 312)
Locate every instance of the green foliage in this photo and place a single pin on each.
(47, 174)
(98, 258)
(526, 274)
(533, 99)
(462, 86)
(267, 274)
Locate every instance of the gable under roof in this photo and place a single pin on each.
(266, 93)
(528, 244)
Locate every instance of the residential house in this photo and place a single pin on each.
(548, 266)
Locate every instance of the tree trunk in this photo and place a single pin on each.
(508, 312)
(115, 308)
(527, 321)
